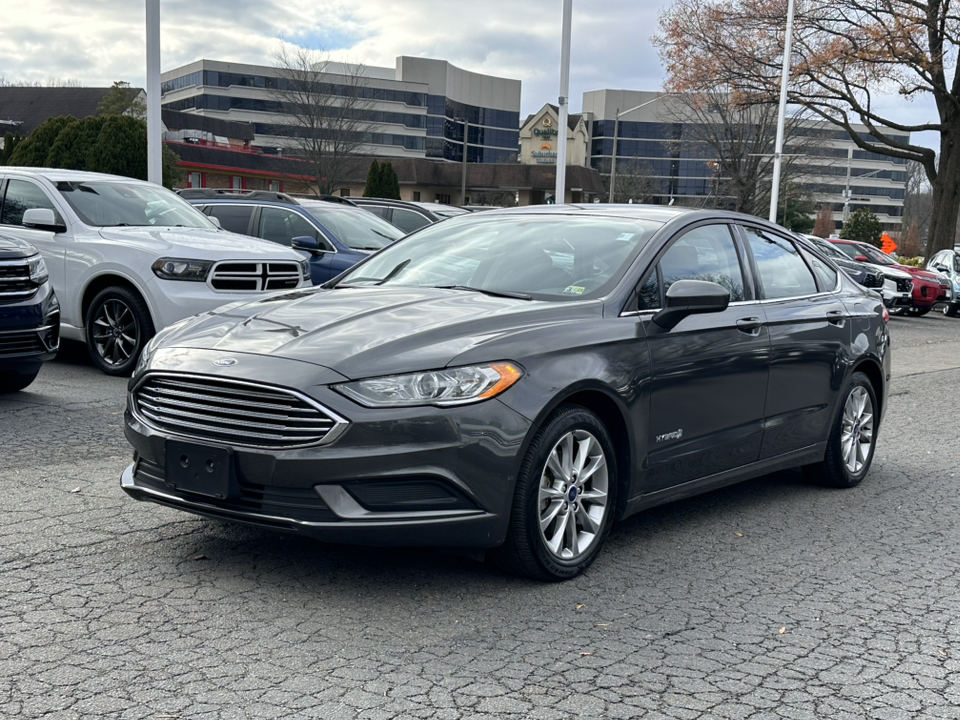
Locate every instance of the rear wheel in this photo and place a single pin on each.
(12, 382)
(853, 437)
(950, 309)
(564, 500)
(118, 326)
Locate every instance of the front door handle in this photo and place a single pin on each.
(750, 325)
(836, 317)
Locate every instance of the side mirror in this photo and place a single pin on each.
(861, 258)
(941, 268)
(215, 220)
(42, 219)
(691, 297)
(306, 243)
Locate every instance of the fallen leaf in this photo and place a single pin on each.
(74, 491)
(585, 654)
(603, 624)
(782, 630)
(738, 534)
(579, 607)
(196, 557)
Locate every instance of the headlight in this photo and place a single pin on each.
(182, 269)
(305, 269)
(38, 270)
(452, 386)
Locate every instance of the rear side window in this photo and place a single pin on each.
(22, 196)
(407, 220)
(826, 275)
(235, 218)
(281, 226)
(783, 272)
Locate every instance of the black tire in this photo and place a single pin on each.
(542, 492)
(950, 309)
(118, 326)
(12, 382)
(918, 311)
(839, 468)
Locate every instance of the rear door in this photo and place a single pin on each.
(709, 373)
(809, 334)
(235, 218)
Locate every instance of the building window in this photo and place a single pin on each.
(416, 196)
(193, 180)
(274, 186)
(445, 199)
(344, 192)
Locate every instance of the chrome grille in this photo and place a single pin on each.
(233, 412)
(235, 276)
(15, 279)
(904, 285)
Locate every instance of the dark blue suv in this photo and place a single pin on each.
(29, 314)
(334, 236)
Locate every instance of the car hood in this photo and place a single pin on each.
(890, 271)
(920, 273)
(202, 244)
(12, 248)
(365, 332)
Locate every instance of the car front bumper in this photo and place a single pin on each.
(423, 476)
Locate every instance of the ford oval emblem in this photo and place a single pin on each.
(225, 362)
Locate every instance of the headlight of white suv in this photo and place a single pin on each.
(451, 386)
(182, 269)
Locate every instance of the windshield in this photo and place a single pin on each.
(874, 255)
(112, 204)
(556, 257)
(828, 249)
(356, 228)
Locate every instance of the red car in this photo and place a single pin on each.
(927, 288)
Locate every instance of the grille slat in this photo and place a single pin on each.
(232, 412)
(15, 279)
(27, 342)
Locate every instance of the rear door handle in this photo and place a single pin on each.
(836, 317)
(750, 325)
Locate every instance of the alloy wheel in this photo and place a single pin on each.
(856, 430)
(573, 495)
(115, 332)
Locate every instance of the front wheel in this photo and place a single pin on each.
(950, 309)
(919, 311)
(564, 500)
(853, 437)
(118, 326)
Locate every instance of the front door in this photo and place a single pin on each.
(709, 373)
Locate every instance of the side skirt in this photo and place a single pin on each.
(804, 456)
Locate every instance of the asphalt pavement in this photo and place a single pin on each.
(769, 599)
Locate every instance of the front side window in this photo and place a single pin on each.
(282, 226)
(704, 253)
(783, 272)
(407, 220)
(22, 196)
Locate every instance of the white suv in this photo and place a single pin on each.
(127, 258)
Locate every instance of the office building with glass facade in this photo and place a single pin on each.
(678, 165)
(418, 109)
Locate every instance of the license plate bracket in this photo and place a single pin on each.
(198, 469)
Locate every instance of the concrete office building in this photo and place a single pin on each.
(416, 110)
(647, 137)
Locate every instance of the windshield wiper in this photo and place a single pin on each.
(380, 281)
(494, 293)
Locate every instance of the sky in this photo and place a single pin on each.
(99, 41)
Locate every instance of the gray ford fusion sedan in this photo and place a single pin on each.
(516, 380)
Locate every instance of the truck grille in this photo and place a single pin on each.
(254, 276)
(904, 285)
(15, 279)
(233, 412)
(873, 280)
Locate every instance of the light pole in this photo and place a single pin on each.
(847, 192)
(154, 147)
(616, 134)
(559, 193)
(784, 79)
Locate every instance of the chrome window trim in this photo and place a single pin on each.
(340, 424)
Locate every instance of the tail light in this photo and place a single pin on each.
(886, 315)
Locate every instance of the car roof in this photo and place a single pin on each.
(58, 174)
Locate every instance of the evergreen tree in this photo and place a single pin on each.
(864, 226)
(33, 151)
(73, 144)
(389, 182)
(372, 188)
(121, 148)
(122, 100)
